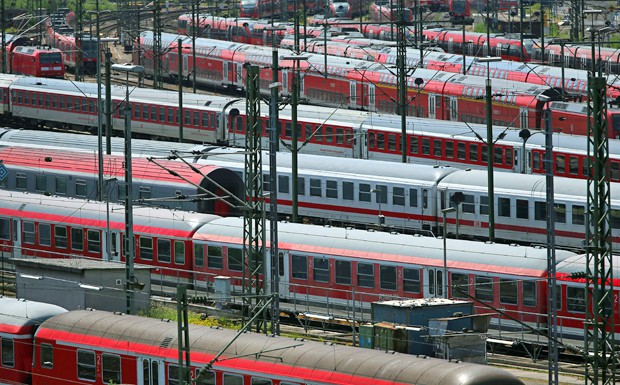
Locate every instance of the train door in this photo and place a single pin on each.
(524, 118)
(371, 97)
(225, 73)
(150, 371)
(114, 253)
(453, 112)
(451, 45)
(433, 282)
(239, 75)
(185, 64)
(17, 238)
(353, 95)
(283, 273)
(432, 107)
(285, 89)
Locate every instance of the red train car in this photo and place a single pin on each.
(37, 61)
(19, 320)
(383, 11)
(68, 45)
(259, 9)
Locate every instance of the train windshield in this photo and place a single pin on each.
(51, 58)
(614, 130)
(89, 48)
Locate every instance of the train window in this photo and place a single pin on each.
(187, 118)
(162, 115)
(413, 145)
(20, 181)
(498, 155)
(508, 291)
(5, 229)
(381, 193)
(80, 188)
(503, 207)
(573, 165)
(234, 259)
(426, 146)
(266, 182)
(69, 102)
(468, 205)
(509, 157)
(331, 189)
(47, 356)
(8, 353)
(173, 374)
(371, 140)
(484, 154)
(450, 150)
(214, 257)
(364, 193)
(205, 377)
(315, 188)
(398, 196)
(199, 255)
(329, 134)
(40, 100)
(347, 191)
(28, 233)
(47, 100)
(437, 148)
(283, 184)
(460, 151)
(45, 234)
(460, 285)
(170, 115)
(19, 97)
(391, 142)
(288, 130)
(614, 216)
(321, 269)
(413, 197)
(540, 211)
(146, 248)
(93, 241)
(308, 131)
(411, 280)
(137, 108)
(387, 277)
(615, 171)
(484, 205)
(380, 141)
(522, 209)
(163, 250)
(261, 381)
(91, 106)
(560, 212)
(473, 152)
(340, 136)
(232, 379)
(578, 213)
(61, 185)
(86, 367)
(365, 275)
(575, 299)
(153, 113)
(299, 267)
(484, 288)
(40, 183)
(560, 165)
(301, 186)
(111, 369)
(535, 161)
(529, 293)
(77, 239)
(343, 272)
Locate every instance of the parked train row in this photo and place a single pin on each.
(345, 44)
(315, 263)
(509, 47)
(47, 345)
(405, 197)
(359, 84)
(325, 131)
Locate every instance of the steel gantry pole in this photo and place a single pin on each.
(274, 253)
(401, 58)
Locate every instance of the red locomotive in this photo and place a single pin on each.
(37, 61)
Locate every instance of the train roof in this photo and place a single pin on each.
(90, 213)
(287, 358)
(394, 248)
(525, 185)
(18, 315)
(577, 264)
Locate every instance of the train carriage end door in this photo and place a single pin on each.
(353, 102)
(115, 245)
(453, 112)
(185, 64)
(238, 79)
(433, 282)
(432, 106)
(283, 273)
(371, 98)
(17, 238)
(524, 118)
(151, 371)
(225, 73)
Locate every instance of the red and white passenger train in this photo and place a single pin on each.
(46, 345)
(315, 263)
(359, 84)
